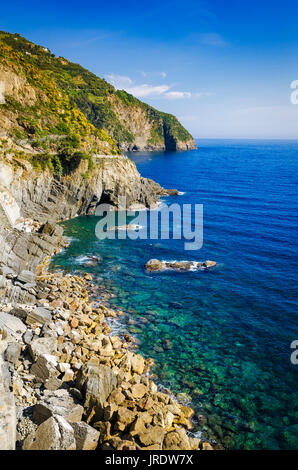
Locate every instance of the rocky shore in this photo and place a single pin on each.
(65, 381)
(73, 386)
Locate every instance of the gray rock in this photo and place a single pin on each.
(7, 410)
(86, 436)
(26, 276)
(39, 315)
(53, 384)
(7, 272)
(40, 346)
(53, 434)
(13, 352)
(13, 326)
(45, 368)
(59, 403)
(28, 336)
(97, 382)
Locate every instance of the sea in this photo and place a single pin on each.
(223, 338)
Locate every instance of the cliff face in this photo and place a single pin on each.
(30, 199)
(132, 124)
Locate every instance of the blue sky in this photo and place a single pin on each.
(224, 68)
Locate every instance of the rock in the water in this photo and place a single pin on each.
(86, 437)
(97, 382)
(59, 403)
(154, 265)
(53, 434)
(209, 264)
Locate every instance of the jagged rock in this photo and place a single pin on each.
(116, 397)
(45, 368)
(59, 403)
(39, 315)
(178, 440)
(96, 382)
(138, 390)
(28, 336)
(53, 434)
(86, 437)
(152, 435)
(53, 383)
(40, 346)
(139, 425)
(12, 326)
(13, 352)
(124, 418)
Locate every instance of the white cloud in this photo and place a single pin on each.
(143, 90)
(174, 95)
(213, 39)
(123, 82)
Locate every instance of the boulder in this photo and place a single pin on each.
(137, 363)
(178, 440)
(154, 265)
(45, 368)
(39, 315)
(12, 326)
(53, 434)
(26, 277)
(86, 437)
(124, 418)
(152, 435)
(13, 352)
(138, 390)
(41, 346)
(96, 383)
(60, 403)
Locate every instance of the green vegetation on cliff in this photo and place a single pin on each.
(88, 102)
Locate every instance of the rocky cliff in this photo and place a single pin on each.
(65, 382)
(132, 124)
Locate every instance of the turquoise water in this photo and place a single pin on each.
(230, 328)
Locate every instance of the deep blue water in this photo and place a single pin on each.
(229, 328)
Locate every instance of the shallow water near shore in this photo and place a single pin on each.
(223, 335)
